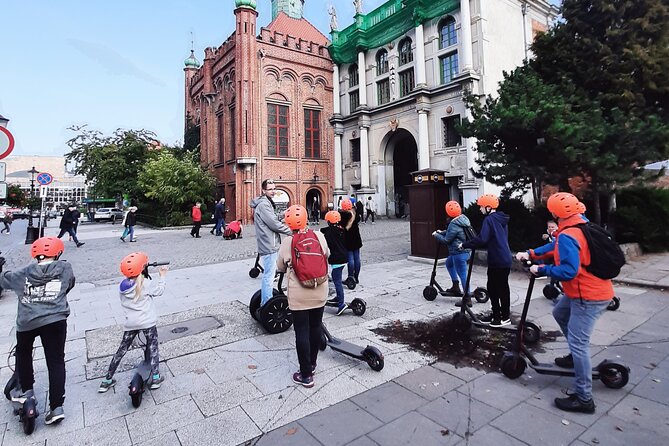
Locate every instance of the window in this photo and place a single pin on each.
(233, 133)
(406, 82)
(312, 133)
(354, 100)
(277, 129)
(355, 150)
(221, 138)
(383, 91)
(449, 67)
(406, 55)
(451, 136)
(353, 78)
(447, 34)
(381, 62)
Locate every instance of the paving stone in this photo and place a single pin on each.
(397, 363)
(150, 422)
(414, 429)
(654, 387)
(340, 424)
(289, 435)
(464, 373)
(459, 413)
(546, 401)
(177, 386)
(363, 441)
(496, 390)
(616, 431)
(332, 386)
(388, 401)
(277, 409)
(168, 439)
(537, 426)
(227, 428)
(644, 413)
(490, 436)
(114, 433)
(214, 399)
(629, 355)
(429, 382)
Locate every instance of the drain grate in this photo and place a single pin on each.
(187, 328)
(179, 330)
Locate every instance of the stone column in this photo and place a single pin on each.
(362, 78)
(420, 56)
(335, 90)
(423, 140)
(465, 55)
(364, 156)
(338, 166)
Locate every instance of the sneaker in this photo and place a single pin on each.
(122, 239)
(356, 279)
(133, 241)
(23, 397)
(573, 403)
(307, 382)
(80, 244)
(106, 384)
(496, 322)
(487, 319)
(566, 362)
(506, 321)
(54, 416)
(333, 302)
(342, 309)
(156, 381)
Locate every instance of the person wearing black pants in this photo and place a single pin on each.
(307, 325)
(499, 292)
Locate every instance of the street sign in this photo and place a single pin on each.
(6, 142)
(44, 178)
(3, 191)
(43, 190)
(3, 171)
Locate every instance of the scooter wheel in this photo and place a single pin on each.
(481, 295)
(136, 399)
(275, 316)
(350, 283)
(254, 304)
(614, 304)
(461, 322)
(358, 306)
(324, 342)
(613, 375)
(374, 358)
(13, 381)
(254, 272)
(512, 365)
(429, 293)
(28, 424)
(550, 292)
(531, 333)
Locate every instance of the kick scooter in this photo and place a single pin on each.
(430, 291)
(371, 355)
(26, 410)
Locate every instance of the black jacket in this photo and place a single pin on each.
(334, 235)
(67, 221)
(131, 219)
(352, 236)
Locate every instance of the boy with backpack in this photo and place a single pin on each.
(334, 235)
(586, 293)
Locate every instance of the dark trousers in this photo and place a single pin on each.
(195, 232)
(70, 231)
(53, 340)
(370, 213)
(307, 325)
(498, 290)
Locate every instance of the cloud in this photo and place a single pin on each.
(112, 61)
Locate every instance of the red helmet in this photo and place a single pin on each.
(488, 200)
(563, 204)
(47, 247)
(453, 209)
(333, 217)
(346, 205)
(296, 217)
(133, 264)
(580, 208)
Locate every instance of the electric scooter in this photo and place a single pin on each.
(357, 305)
(26, 410)
(371, 355)
(142, 376)
(274, 316)
(552, 290)
(430, 291)
(614, 375)
(465, 318)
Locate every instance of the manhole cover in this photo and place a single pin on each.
(179, 330)
(187, 328)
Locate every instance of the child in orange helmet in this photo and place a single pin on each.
(334, 234)
(453, 236)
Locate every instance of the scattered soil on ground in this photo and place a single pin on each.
(475, 347)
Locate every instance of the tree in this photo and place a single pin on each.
(15, 196)
(191, 136)
(112, 163)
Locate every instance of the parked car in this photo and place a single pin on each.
(108, 214)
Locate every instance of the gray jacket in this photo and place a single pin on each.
(268, 226)
(140, 313)
(42, 290)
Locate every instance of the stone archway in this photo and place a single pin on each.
(400, 159)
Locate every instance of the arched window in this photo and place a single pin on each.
(447, 34)
(406, 55)
(353, 75)
(381, 62)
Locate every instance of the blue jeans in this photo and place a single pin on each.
(336, 279)
(456, 264)
(70, 231)
(129, 231)
(576, 318)
(269, 266)
(220, 224)
(354, 264)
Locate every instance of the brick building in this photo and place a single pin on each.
(262, 101)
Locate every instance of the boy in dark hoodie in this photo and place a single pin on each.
(334, 235)
(42, 289)
(495, 237)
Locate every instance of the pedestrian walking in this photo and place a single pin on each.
(129, 221)
(350, 220)
(370, 206)
(315, 211)
(7, 220)
(67, 225)
(196, 215)
(219, 217)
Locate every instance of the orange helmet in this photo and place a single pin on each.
(580, 208)
(47, 247)
(453, 209)
(133, 264)
(563, 204)
(296, 217)
(333, 217)
(346, 205)
(488, 200)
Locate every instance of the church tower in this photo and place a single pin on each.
(292, 8)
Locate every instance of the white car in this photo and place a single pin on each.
(109, 214)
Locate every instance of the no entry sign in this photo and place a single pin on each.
(6, 142)
(44, 178)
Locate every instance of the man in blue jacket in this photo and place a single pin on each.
(495, 237)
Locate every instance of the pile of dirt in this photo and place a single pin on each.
(475, 347)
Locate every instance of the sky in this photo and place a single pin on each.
(113, 64)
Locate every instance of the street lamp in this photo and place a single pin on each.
(32, 233)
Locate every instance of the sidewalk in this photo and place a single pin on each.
(230, 384)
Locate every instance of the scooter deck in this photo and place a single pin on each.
(345, 347)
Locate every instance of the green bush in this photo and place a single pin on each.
(642, 216)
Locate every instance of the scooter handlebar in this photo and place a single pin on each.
(158, 263)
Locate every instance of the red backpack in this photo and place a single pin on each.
(308, 259)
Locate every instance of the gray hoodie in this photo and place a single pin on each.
(42, 290)
(140, 313)
(268, 227)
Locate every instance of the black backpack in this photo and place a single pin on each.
(470, 232)
(606, 257)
